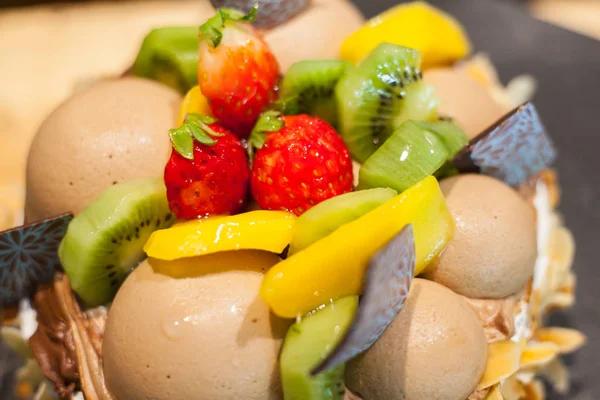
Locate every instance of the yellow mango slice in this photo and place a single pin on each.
(193, 102)
(503, 361)
(438, 36)
(256, 230)
(334, 266)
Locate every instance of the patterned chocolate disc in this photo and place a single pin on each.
(29, 257)
(387, 283)
(270, 12)
(513, 149)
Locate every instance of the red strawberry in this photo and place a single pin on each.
(208, 170)
(237, 72)
(300, 165)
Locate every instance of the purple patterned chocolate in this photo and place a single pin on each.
(512, 150)
(29, 257)
(270, 12)
(387, 283)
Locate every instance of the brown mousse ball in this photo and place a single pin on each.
(434, 349)
(317, 33)
(112, 131)
(465, 100)
(194, 328)
(493, 251)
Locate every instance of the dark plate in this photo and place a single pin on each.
(567, 67)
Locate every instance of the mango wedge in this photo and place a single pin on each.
(437, 35)
(334, 266)
(193, 102)
(256, 230)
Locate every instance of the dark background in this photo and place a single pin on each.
(567, 66)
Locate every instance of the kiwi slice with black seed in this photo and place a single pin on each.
(375, 98)
(170, 55)
(307, 343)
(308, 88)
(413, 152)
(105, 241)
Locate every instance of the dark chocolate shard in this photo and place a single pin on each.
(270, 12)
(386, 287)
(515, 148)
(29, 257)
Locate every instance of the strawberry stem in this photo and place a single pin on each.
(195, 126)
(212, 30)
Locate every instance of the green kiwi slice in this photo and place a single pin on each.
(308, 88)
(413, 152)
(170, 55)
(327, 216)
(375, 98)
(307, 344)
(105, 241)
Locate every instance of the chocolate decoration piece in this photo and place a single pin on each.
(270, 12)
(29, 257)
(513, 149)
(387, 283)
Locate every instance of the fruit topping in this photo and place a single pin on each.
(237, 72)
(386, 287)
(375, 98)
(414, 151)
(300, 165)
(28, 257)
(254, 230)
(270, 13)
(513, 149)
(340, 259)
(308, 88)
(170, 55)
(306, 345)
(437, 35)
(208, 170)
(194, 102)
(329, 215)
(104, 242)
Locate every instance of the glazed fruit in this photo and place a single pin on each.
(300, 165)
(437, 35)
(326, 217)
(194, 102)
(335, 266)
(305, 346)
(237, 72)
(104, 242)
(170, 56)
(308, 88)
(375, 98)
(414, 151)
(260, 230)
(208, 171)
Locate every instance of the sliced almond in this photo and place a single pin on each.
(495, 394)
(503, 361)
(535, 390)
(512, 389)
(538, 354)
(568, 340)
(558, 375)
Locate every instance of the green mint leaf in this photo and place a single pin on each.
(182, 141)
